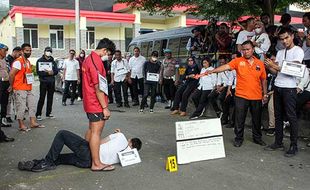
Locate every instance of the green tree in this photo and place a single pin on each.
(224, 9)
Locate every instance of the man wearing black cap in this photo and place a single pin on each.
(4, 85)
(195, 44)
(46, 69)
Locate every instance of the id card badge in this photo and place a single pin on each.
(103, 84)
(154, 77)
(121, 71)
(30, 78)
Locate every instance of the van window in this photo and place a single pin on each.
(130, 48)
(163, 47)
(150, 49)
(157, 46)
(144, 48)
(173, 45)
(183, 51)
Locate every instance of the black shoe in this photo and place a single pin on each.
(224, 122)
(291, 152)
(27, 165)
(127, 105)
(260, 142)
(194, 117)
(9, 120)
(72, 103)
(135, 104)
(237, 143)
(119, 105)
(270, 132)
(64, 104)
(43, 166)
(274, 147)
(7, 139)
(5, 125)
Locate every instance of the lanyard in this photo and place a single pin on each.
(91, 56)
(285, 54)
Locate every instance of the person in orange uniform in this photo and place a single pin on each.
(21, 79)
(251, 91)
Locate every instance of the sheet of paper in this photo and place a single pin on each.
(45, 66)
(129, 157)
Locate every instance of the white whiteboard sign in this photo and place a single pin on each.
(199, 140)
(129, 157)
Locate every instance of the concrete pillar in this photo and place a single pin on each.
(83, 29)
(137, 24)
(182, 20)
(19, 29)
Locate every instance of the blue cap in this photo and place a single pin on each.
(2, 46)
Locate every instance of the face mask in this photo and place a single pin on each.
(105, 58)
(81, 55)
(258, 30)
(154, 59)
(27, 55)
(48, 53)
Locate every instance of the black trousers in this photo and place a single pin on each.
(227, 104)
(307, 62)
(285, 101)
(137, 88)
(241, 109)
(215, 97)
(302, 99)
(4, 97)
(110, 91)
(2, 135)
(80, 157)
(80, 90)
(182, 95)
(200, 99)
(149, 89)
(67, 93)
(118, 88)
(169, 88)
(46, 89)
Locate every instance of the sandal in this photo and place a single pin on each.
(105, 169)
(38, 126)
(24, 129)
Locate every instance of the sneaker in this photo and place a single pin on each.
(26, 165)
(286, 124)
(193, 117)
(141, 111)
(237, 143)
(9, 120)
(151, 111)
(203, 111)
(260, 142)
(4, 125)
(79, 99)
(72, 103)
(119, 105)
(39, 118)
(4, 121)
(43, 166)
(270, 132)
(64, 103)
(274, 147)
(219, 114)
(292, 151)
(50, 116)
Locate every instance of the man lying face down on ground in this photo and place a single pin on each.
(109, 147)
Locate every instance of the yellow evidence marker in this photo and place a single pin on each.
(171, 164)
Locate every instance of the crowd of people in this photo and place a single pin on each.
(234, 72)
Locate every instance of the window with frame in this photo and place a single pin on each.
(57, 36)
(90, 37)
(174, 45)
(144, 48)
(31, 35)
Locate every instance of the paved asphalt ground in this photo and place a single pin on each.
(245, 168)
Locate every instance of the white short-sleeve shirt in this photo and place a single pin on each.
(244, 35)
(71, 66)
(306, 49)
(293, 54)
(120, 69)
(136, 66)
(108, 151)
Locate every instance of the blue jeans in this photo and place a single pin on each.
(80, 157)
